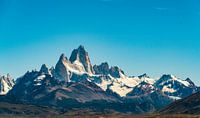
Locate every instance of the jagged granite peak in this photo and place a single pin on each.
(61, 71)
(6, 84)
(102, 69)
(44, 69)
(116, 72)
(81, 58)
(63, 57)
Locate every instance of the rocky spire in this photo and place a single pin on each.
(44, 69)
(6, 84)
(80, 56)
(63, 57)
(116, 71)
(61, 71)
(101, 69)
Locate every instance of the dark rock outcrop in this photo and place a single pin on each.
(102, 69)
(188, 105)
(115, 72)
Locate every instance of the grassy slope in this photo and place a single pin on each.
(8, 110)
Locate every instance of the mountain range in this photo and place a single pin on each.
(76, 83)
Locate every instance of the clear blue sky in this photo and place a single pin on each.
(140, 36)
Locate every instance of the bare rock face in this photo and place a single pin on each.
(80, 57)
(115, 72)
(45, 70)
(61, 70)
(6, 84)
(102, 69)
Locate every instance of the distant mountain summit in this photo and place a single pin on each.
(45, 70)
(6, 84)
(75, 82)
(173, 86)
(62, 68)
(81, 58)
(79, 63)
(102, 69)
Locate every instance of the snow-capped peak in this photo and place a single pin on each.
(65, 69)
(61, 69)
(79, 67)
(173, 86)
(166, 78)
(81, 58)
(6, 84)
